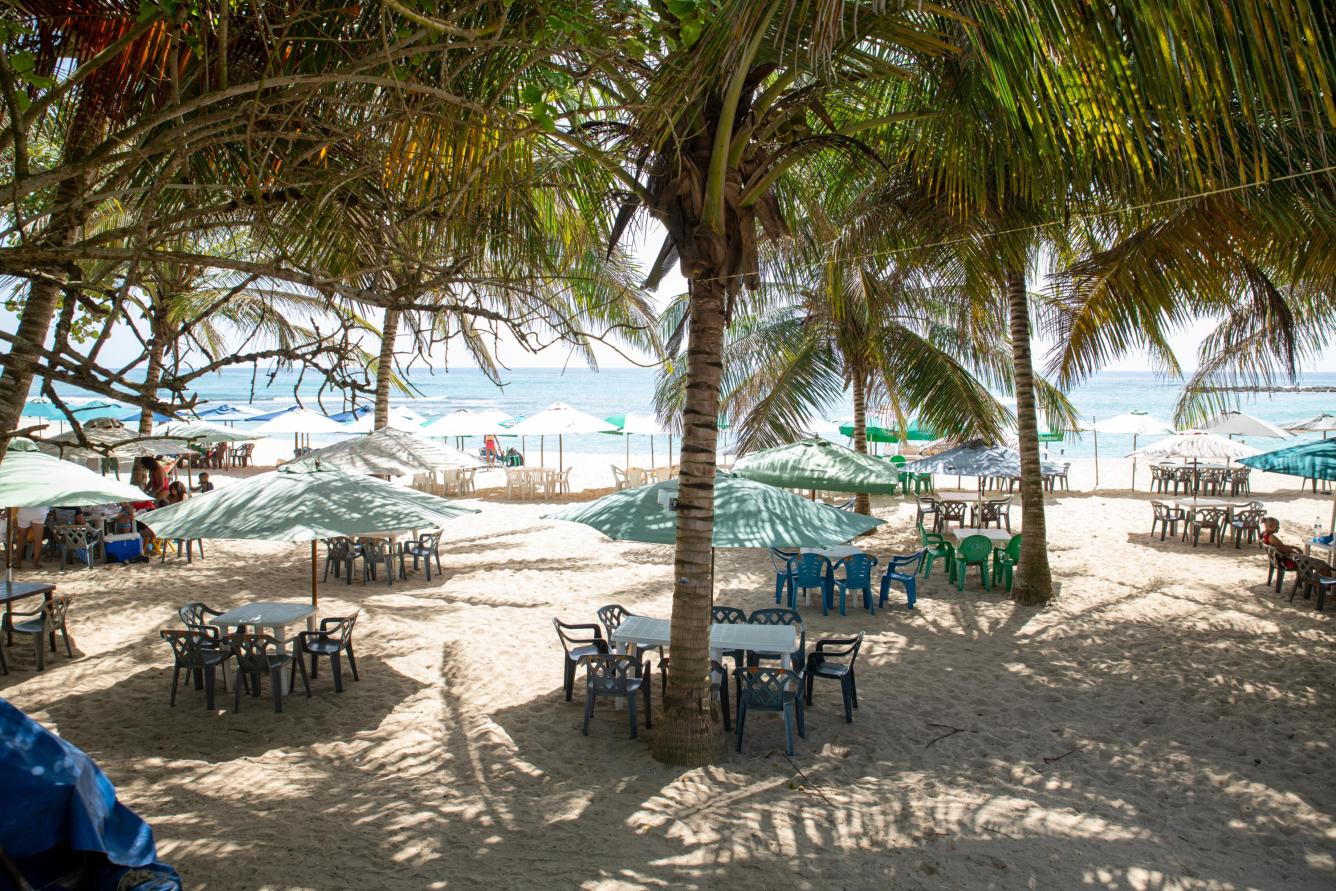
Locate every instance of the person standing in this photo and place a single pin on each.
(31, 529)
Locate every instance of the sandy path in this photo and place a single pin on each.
(1166, 724)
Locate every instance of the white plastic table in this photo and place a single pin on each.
(644, 631)
(391, 536)
(999, 537)
(274, 616)
(1192, 505)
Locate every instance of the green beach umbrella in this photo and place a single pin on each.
(31, 478)
(302, 502)
(1312, 460)
(747, 514)
(877, 433)
(819, 464)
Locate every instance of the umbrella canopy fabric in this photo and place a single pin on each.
(353, 414)
(1310, 460)
(976, 458)
(401, 418)
(466, 422)
(1236, 423)
(46, 410)
(560, 419)
(110, 433)
(916, 432)
(1133, 423)
(819, 464)
(1196, 445)
(227, 411)
(202, 432)
(31, 478)
(638, 423)
(747, 514)
(302, 502)
(158, 418)
(297, 420)
(391, 452)
(1323, 423)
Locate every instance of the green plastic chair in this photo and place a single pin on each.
(1005, 559)
(936, 546)
(897, 460)
(923, 483)
(973, 551)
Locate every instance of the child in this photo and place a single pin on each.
(204, 484)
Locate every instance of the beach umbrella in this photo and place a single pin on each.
(352, 414)
(1196, 446)
(391, 452)
(300, 422)
(46, 410)
(819, 464)
(877, 432)
(1310, 460)
(111, 434)
(747, 514)
(1323, 423)
(158, 418)
(976, 458)
(1236, 423)
(202, 432)
(1133, 423)
(227, 411)
(400, 418)
(304, 501)
(467, 422)
(559, 419)
(640, 423)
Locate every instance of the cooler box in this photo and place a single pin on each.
(124, 548)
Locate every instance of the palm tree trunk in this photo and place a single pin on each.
(1034, 580)
(385, 367)
(690, 733)
(157, 348)
(862, 501)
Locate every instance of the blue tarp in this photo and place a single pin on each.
(55, 801)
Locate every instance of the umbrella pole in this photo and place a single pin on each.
(628, 452)
(542, 451)
(11, 517)
(1097, 457)
(561, 453)
(652, 463)
(315, 585)
(1134, 463)
(670, 451)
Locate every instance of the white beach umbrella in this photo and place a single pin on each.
(467, 422)
(1323, 423)
(1236, 423)
(1196, 445)
(299, 422)
(202, 432)
(391, 452)
(400, 418)
(1133, 423)
(559, 419)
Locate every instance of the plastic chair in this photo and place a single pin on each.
(1212, 519)
(948, 511)
(993, 513)
(905, 571)
(827, 661)
(577, 647)
(618, 676)
(975, 550)
(197, 650)
(1277, 565)
(771, 690)
(41, 622)
(923, 483)
(343, 553)
(935, 547)
(782, 561)
(334, 638)
(857, 577)
(927, 507)
(426, 548)
(258, 655)
(810, 571)
(780, 616)
(1247, 523)
(75, 540)
(1167, 518)
(1006, 558)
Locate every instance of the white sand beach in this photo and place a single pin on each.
(1165, 724)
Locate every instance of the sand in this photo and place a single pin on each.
(1166, 723)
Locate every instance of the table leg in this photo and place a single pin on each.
(47, 598)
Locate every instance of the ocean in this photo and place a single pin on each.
(616, 390)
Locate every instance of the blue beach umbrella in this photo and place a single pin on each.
(1312, 460)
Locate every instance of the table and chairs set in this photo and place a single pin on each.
(387, 552)
(211, 642)
(1214, 480)
(759, 661)
(537, 482)
(1214, 517)
(635, 477)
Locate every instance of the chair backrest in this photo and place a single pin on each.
(906, 565)
(810, 569)
(567, 631)
(340, 627)
(727, 615)
(430, 540)
(930, 538)
(612, 616)
(766, 689)
(72, 535)
(609, 672)
(1014, 548)
(618, 476)
(1250, 518)
(775, 615)
(834, 649)
(193, 613)
(897, 460)
(858, 568)
(781, 560)
(188, 644)
(952, 510)
(975, 549)
(54, 610)
(253, 650)
(1211, 516)
(926, 504)
(635, 476)
(1161, 509)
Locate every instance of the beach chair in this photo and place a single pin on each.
(810, 571)
(948, 511)
(42, 622)
(1308, 573)
(936, 547)
(834, 658)
(975, 550)
(618, 478)
(905, 571)
(1247, 524)
(1277, 565)
(426, 547)
(616, 676)
(75, 541)
(782, 562)
(577, 645)
(857, 577)
(343, 553)
(771, 690)
(780, 616)
(259, 655)
(992, 513)
(636, 477)
(334, 638)
(1211, 519)
(197, 651)
(1167, 519)
(1005, 560)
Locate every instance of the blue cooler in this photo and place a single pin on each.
(124, 548)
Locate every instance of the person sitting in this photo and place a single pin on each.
(124, 522)
(1270, 528)
(204, 484)
(176, 492)
(514, 458)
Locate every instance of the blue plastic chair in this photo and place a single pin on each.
(905, 571)
(782, 561)
(772, 690)
(857, 576)
(810, 571)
